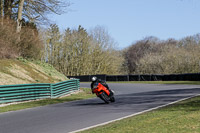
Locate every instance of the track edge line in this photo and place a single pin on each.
(148, 110)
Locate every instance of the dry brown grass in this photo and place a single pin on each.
(18, 71)
(7, 79)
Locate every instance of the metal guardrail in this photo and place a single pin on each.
(26, 92)
(63, 88)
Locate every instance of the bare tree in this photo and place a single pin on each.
(106, 58)
(1, 8)
(1, 11)
(19, 16)
(37, 10)
(34, 11)
(138, 50)
(167, 57)
(8, 8)
(53, 44)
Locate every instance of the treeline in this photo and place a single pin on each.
(74, 52)
(82, 52)
(154, 56)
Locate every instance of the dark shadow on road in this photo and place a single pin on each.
(127, 102)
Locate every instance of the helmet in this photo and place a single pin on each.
(94, 79)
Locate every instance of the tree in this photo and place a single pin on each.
(53, 44)
(165, 57)
(1, 11)
(105, 58)
(138, 50)
(37, 10)
(76, 52)
(171, 60)
(8, 8)
(34, 11)
(19, 15)
(83, 53)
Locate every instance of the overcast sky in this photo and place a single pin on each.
(130, 20)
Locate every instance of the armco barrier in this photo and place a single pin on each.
(26, 92)
(63, 88)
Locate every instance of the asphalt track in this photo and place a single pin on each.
(76, 115)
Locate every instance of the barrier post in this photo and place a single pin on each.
(51, 89)
(77, 84)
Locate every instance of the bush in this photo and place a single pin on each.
(30, 45)
(26, 44)
(8, 37)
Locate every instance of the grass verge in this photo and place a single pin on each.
(160, 82)
(84, 94)
(182, 117)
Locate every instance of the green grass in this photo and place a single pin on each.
(160, 82)
(49, 69)
(182, 117)
(84, 94)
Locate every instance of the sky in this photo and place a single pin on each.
(128, 21)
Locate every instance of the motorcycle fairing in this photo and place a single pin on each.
(100, 89)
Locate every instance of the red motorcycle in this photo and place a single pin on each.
(103, 93)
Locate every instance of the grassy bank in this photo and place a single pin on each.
(22, 71)
(182, 117)
(84, 93)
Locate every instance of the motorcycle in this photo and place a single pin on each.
(103, 93)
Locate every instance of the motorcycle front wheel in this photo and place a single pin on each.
(112, 99)
(104, 97)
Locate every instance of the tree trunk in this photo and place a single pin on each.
(1, 11)
(8, 8)
(19, 15)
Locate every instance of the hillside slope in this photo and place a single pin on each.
(21, 71)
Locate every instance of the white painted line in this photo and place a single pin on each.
(133, 114)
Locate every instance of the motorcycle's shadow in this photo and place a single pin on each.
(88, 104)
(93, 102)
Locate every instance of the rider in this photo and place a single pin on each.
(95, 81)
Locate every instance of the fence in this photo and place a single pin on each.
(63, 88)
(152, 77)
(25, 92)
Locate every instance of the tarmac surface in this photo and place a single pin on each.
(77, 115)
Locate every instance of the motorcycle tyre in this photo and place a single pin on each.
(104, 97)
(112, 99)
